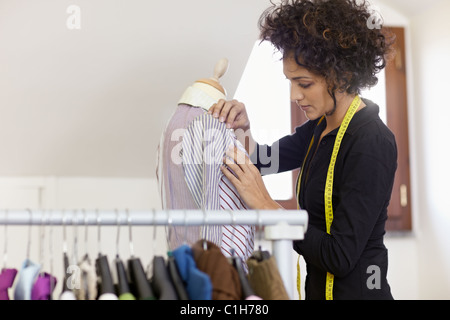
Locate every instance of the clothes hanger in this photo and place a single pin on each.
(28, 272)
(65, 256)
(237, 262)
(7, 275)
(105, 282)
(45, 282)
(88, 286)
(66, 292)
(50, 253)
(259, 254)
(166, 280)
(86, 259)
(173, 268)
(76, 287)
(153, 248)
(123, 287)
(138, 278)
(5, 251)
(204, 243)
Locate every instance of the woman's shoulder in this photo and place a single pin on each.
(368, 122)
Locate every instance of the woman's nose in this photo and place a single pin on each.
(296, 95)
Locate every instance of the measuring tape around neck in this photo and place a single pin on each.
(328, 196)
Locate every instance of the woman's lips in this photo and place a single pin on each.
(304, 108)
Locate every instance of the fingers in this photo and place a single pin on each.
(230, 175)
(216, 108)
(247, 179)
(234, 166)
(229, 112)
(237, 156)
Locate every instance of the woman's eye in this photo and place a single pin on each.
(305, 86)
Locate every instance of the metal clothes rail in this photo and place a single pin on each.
(281, 226)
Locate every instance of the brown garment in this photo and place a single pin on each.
(224, 277)
(265, 279)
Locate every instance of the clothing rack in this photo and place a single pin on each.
(281, 226)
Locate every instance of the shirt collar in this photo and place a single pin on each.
(201, 95)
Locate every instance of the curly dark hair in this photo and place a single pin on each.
(330, 38)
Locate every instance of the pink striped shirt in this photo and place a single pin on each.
(188, 170)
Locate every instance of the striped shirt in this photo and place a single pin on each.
(190, 154)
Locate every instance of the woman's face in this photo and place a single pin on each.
(307, 89)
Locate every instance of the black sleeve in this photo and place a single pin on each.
(285, 154)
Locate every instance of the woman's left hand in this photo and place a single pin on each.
(247, 180)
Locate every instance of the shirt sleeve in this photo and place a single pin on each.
(205, 142)
(360, 197)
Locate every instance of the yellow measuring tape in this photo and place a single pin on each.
(329, 187)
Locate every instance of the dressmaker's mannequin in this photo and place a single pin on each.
(189, 157)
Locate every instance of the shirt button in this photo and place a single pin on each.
(324, 142)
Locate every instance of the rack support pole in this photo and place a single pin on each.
(282, 235)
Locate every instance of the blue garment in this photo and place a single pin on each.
(27, 276)
(198, 284)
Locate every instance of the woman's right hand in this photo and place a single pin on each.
(232, 113)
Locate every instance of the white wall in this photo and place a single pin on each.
(419, 260)
(431, 50)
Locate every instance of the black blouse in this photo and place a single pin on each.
(364, 175)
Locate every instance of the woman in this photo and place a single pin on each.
(347, 156)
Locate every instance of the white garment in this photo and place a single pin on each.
(108, 296)
(67, 295)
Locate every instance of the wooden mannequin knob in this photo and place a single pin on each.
(220, 69)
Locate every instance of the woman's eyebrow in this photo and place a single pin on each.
(300, 78)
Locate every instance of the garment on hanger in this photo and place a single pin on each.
(105, 282)
(247, 290)
(224, 277)
(67, 292)
(67, 295)
(161, 281)
(27, 276)
(139, 281)
(7, 277)
(176, 278)
(265, 278)
(88, 280)
(123, 286)
(43, 287)
(108, 296)
(197, 283)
